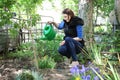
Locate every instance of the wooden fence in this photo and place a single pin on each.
(9, 43)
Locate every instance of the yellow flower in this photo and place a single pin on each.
(77, 78)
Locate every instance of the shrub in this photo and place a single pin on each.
(46, 62)
(29, 75)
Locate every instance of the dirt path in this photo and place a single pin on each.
(9, 69)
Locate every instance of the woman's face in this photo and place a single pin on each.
(66, 17)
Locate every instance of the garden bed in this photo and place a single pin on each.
(10, 68)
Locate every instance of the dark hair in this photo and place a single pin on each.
(68, 12)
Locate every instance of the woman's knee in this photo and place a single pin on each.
(68, 38)
(62, 50)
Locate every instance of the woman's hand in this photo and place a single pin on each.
(51, 22)
(62, 43)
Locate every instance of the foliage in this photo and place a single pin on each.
(85, 73)
(25, 76)
(72, 4)
(49, 48)
(95, 54)
(10, 14)
(37, 75)
(95, 73)
(26, 6)
(109, 74)
(117, 41)
(29, 75)
(7, 3)
(5, 17)
(109, 43)
(46, 62)
(105, 6)
(115, 75)
(24, 51)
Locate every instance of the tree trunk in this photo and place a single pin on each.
(86, 13)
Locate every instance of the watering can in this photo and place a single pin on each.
(48, 32)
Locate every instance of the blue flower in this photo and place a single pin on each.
(86, 77)
(83, 69)
(97, 70)
(83, 77)
(96, 78)
(89, 63)
(87, 69)
(75, 70)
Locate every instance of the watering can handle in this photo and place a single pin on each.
(48, 24)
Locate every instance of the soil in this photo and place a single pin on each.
(11, 67)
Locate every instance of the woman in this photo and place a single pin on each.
(73, 39)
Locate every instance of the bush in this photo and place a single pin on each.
(29, 75)
(46, 62)
(25, 76)
(23, 51)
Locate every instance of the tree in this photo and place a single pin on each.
(11, 8)
(86, 12)
(88, 8)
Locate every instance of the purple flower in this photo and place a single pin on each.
(75, 70)
(86, 77)
(96, 78)
(87, 69)
(83, 69)
(83, 77)
(97, 70)
(89, 62)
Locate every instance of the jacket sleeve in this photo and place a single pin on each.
(61, 25)
(79, 30)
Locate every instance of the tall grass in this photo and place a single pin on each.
(95, 54)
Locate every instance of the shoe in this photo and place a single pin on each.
(74, 63)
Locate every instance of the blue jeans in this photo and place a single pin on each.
(70, 49)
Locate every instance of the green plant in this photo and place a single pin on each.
(115, 75)
(86, 73)
(96, 55)
(49, 48)
(23, 51)
(117, 41)
(46, 62)
(29, 75)
(109, 74)
(37, 75)
(25, 76)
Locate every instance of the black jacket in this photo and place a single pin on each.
(70, 27)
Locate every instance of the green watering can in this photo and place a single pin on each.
(48, 32)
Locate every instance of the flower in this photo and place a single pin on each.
(96, 78)
(77, 78)
(95, 69)
(75, 70)
(86, 73)
(83, 69)
(86, 77)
